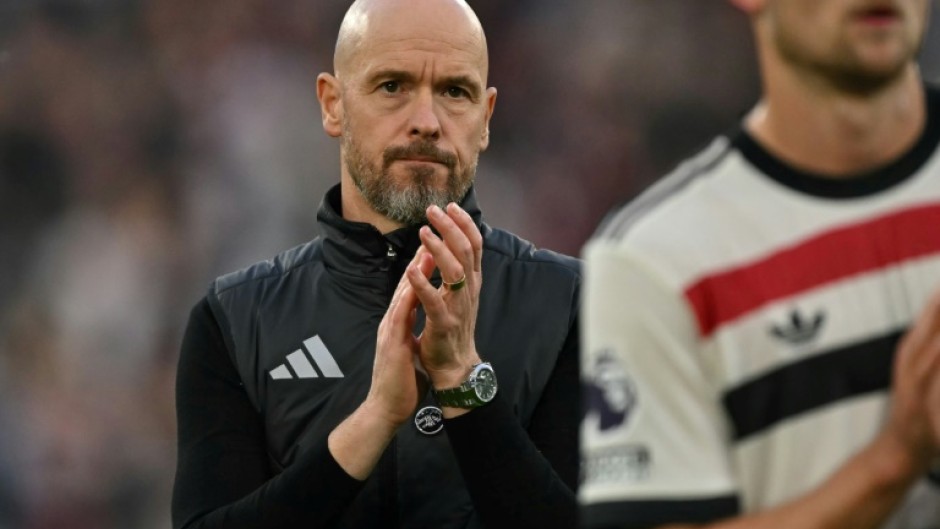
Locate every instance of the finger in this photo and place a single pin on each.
(465, 222)
(395, 321)
(402, 283)
(426, 263)
(933, 405)
(396, 296)
(914, 346)
(451, 268)
(433, 303)
(928, 366)
(453, 236)
(412, 319)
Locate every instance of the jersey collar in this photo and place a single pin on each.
(855, 186)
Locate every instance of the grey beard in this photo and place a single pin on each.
(406, 203)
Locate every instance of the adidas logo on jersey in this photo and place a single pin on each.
(302, 365)
(799, 329)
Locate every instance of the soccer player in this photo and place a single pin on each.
(762, 348)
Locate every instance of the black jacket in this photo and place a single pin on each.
(278, 354)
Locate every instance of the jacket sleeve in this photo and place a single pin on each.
(223, 478)
(518, 477)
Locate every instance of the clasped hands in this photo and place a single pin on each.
(445, 349)
(911, 436)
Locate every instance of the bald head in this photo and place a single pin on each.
(371, 23)
(409, 103)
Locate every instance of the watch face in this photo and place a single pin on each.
(484, 383)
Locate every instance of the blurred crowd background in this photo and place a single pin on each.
(147, 146)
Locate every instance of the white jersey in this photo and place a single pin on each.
(740, 321)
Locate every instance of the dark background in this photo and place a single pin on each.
(148, 146)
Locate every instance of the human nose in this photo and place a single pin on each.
(424, 122)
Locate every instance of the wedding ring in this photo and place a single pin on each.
(456, 285)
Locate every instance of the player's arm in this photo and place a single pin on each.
(654, 436)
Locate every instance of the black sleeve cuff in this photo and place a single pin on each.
(510, 482)
(648, 514)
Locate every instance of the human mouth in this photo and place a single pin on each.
(419, 154)
(421, 160)
(878, 15)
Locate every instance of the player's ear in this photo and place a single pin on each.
(329, 93)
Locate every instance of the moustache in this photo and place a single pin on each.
(421, 149)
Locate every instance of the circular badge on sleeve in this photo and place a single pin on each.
(429, 420)
(609, 391)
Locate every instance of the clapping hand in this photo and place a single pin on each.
(447, 349)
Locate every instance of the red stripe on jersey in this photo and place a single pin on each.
(722, 297)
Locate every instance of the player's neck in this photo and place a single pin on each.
(834, 133)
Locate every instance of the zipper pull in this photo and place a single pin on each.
(392, 255)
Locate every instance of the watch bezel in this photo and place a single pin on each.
(471, 393)
(480, 378)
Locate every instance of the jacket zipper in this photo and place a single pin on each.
(390, 477)
(392, 257)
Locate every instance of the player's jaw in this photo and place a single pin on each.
(858, 46)
(885, 34)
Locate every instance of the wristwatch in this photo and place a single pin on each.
(479, 388)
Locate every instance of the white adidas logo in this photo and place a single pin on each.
(302, 366)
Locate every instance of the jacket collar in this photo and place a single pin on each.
(359, 249)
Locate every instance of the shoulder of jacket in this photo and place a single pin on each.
(277, 267)
(516, 250)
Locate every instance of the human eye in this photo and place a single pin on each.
(390, 87)
(456, 92)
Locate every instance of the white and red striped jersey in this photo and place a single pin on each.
(740, 321)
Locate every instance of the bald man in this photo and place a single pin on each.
(410, 367)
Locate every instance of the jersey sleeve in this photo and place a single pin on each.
(654, 436)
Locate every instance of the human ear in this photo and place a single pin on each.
(490, 106)
(329, 93)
